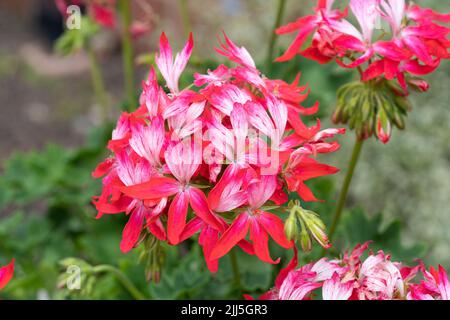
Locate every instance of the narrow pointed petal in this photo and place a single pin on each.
(154, 189)
(132, 230)
(6, 274)
(274, 226)
(235, 233)
(260, 241)
(199, 204)
(177, 214)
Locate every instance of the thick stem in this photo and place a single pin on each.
(98, 84)
(131, 288)
(127, 52)
(235, 267)
(273, 36)
(346, 186)
(184, 12)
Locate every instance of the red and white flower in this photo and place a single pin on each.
(215, 158)
(415, 45)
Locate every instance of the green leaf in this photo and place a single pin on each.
(356, 227)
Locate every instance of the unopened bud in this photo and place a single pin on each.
(291, 227)
(383, 129)
(305, 241)
(311, 225)
(318, 232)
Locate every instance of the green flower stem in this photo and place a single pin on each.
(346, 186)
(273, 36)
(122, 278)
(187, 27)
(235, 267)
(98, 84)
(127, 51)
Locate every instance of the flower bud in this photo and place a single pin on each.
(383, 129)
(311, 225)
(419, 84)
(291, 227)
(318, 232)
(305, 241)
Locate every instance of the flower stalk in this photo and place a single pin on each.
(346, 186)
(98, 85)
(235, 268)
(184, 12)
(128, 54)
(273, 35)
(131, 288)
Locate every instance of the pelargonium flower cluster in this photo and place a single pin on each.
(352, 277)
(413, 44)
(6, 274)
(103, 12)
(214, 161)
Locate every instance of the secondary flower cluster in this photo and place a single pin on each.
(103, 12)
(6, 273)
(354, 278)
(413, 46)
(215, 160)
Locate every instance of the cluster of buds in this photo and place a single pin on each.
(310, 225)
(394, 40)
(6, 274)
(215, 161)
(354, 278)
(371, 108)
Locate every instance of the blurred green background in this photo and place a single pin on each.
(52, 138)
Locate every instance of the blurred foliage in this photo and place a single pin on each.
(76, 39)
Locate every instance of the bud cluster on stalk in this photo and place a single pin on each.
(371, 108)
(310, 226)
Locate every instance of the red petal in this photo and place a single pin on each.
(6, 274)
(157, 229)
(177, 217)
(235, 233)
(275, 228)
(132, 230)
(260, 241)
(305, 193)
(284, 272)
(103, 168)
(192, 227)
(153, 189)
(307, 26)
(200, 206)
(208, 240)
